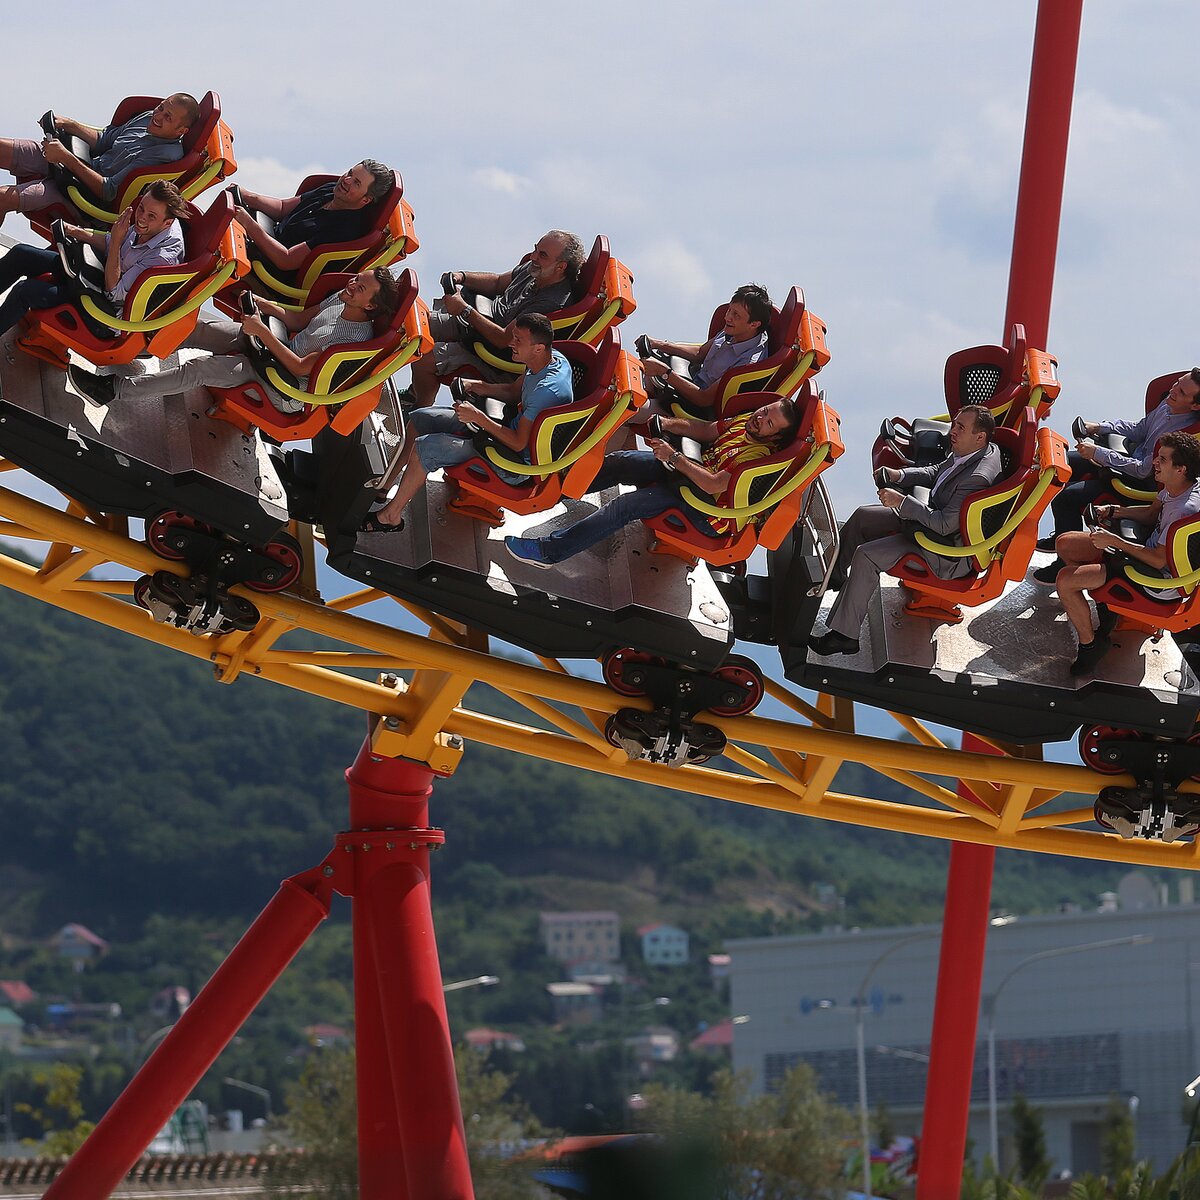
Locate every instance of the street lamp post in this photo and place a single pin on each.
(861, 1049)
(252, 1087)
(478, 981)
(989, 1011)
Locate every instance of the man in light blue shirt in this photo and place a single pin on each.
(147, 139)
(440, 437)
(1092, 465)
(742, 340)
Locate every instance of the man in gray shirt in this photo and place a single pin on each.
(147, 139)
(742, 340)
(348, 316)
(541, 285)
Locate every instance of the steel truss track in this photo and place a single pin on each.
(787, 766)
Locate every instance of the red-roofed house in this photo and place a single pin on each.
(716, 1039)
(16, 991)
(79, 944)
(488, 1039)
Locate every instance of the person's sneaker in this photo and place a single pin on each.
(1048, 573)
(1046, 544)
(1089, 656)
(99, 389)
(1106, 622)
(528, 550)
(834, 643)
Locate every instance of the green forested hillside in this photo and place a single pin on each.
(160, 808)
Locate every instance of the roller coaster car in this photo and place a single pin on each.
(763, 499)
(998, 526)
(566, 444)
(345, 382)
(207, 159)
(796, 351)
(1008, 379)
(389, 237)
(602, 297)
(1128, 489)
(158, 312)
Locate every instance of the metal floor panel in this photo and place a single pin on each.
(1005, 669)
(611, 577)
(168, 450)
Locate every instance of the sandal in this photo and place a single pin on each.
(372, 524)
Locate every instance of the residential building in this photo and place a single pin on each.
(494, 1039)
(10, 1030)
(664, 945)
(575, 937)
(79, 944)
(574, 1003)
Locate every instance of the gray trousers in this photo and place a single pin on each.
(871, 543)
(224, 366)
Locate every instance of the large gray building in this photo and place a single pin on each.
(1072, 1029)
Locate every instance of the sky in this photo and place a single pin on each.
(867, 151)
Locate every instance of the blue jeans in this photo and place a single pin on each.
(444, 441)
(655, 493)
(1088, 481)
(22, 262)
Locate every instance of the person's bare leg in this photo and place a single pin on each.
(9, 200)
(400, 466)
(424, 381)
(1073, 584)
(411, 483)
(1075, 548)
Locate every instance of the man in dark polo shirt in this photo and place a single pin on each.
(541, 285)
(150, 138)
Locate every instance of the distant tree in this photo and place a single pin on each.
(788, 1143)
(1030, 1137)
(1117, 1138)
(60, 1111)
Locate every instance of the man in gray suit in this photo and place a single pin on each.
(877, 535)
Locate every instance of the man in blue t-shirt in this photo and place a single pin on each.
(440, 437)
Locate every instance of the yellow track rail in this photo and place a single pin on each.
(788, 766)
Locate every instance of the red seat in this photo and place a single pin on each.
(566, 444)
(345, 382)
(207, 159)
(796, 351)
(764, 498)
(601, 299)
(159, 311)
(389, 237)
(1125, 595)
(1006, 379)
(997, 525)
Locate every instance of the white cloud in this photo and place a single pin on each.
(497, 179)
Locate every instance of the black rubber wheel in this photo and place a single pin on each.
(239, 614)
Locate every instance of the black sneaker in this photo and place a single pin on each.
(99, 389)
(1089, 656)
(1048, 573)
(834, 643)
(1046, 544)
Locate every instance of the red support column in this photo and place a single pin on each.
(177, 1065)
(412, 1145)
(1043, 165)
(969, 882)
